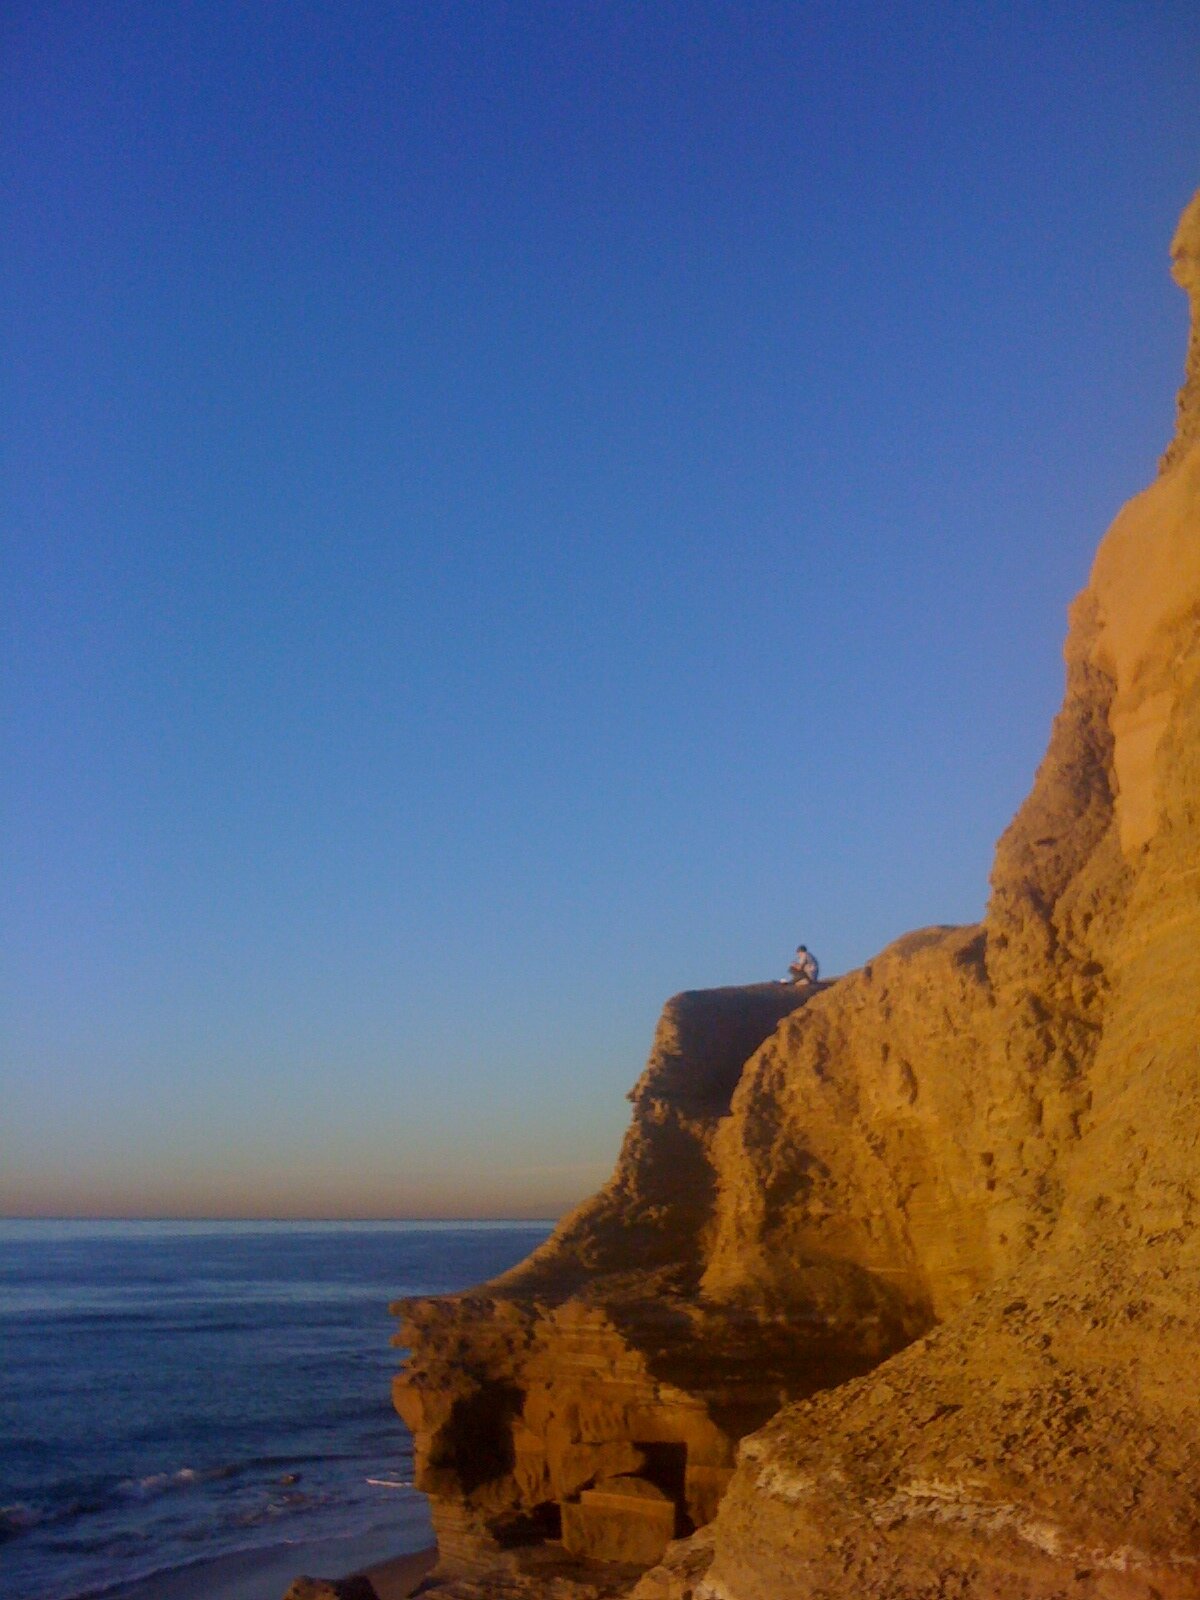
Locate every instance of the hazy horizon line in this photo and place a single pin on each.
(8, 1216)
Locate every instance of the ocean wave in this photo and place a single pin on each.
(280, 1483)
(157, 1483)
(287, 1462)
(215, 1562)
(17, 1518)
(22, 1517)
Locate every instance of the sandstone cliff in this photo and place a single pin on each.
(943, 1211)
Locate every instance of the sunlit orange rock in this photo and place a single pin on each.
(942, 1217)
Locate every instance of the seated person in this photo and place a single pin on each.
(804, 967)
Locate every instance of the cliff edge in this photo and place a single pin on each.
(937, 1220)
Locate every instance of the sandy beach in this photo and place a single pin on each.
(266, 1574)
(396, 1579)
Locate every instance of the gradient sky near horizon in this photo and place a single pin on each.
(514, 510)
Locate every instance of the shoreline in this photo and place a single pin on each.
(266, 1574)
(398, 1578)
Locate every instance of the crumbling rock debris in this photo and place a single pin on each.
(355, 1588)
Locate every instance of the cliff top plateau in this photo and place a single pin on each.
(895, 1289)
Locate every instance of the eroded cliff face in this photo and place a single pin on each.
(1045, 1438)
(596, 1393)
(979, 1156)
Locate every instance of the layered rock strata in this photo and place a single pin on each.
(944, 1211)
(596, 1394)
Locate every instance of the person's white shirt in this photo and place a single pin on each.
(804, 967)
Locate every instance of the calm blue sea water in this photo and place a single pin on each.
(173, 1391)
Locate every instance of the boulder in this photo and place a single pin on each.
(621, 1519)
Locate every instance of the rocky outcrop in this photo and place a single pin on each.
(1044, 1439)
(1185, 265)
(358, 1587)
(596, 1393)
(943, 1210)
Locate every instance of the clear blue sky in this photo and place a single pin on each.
(514, 510)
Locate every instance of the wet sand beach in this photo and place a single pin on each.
(266, 1574)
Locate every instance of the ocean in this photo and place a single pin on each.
(173, 1393)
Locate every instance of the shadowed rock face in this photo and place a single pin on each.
(979, 1156)
(597, 1391)
(1185, 268)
